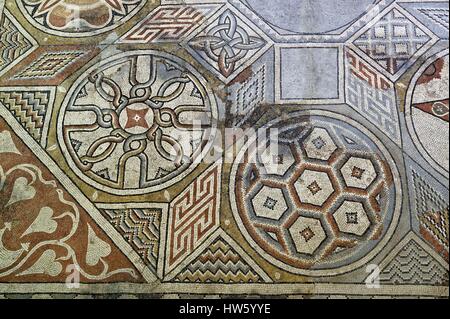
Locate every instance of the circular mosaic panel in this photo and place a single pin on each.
(427, 111)
(76, 18)
(137, 122)
(324, 201)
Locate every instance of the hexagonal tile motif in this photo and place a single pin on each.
(351, 218)
(358, 172)
(279, 162)
(307, 234)
(314, 187)
(319, 145)
(269, 203)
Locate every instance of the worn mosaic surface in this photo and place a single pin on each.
(131, 161)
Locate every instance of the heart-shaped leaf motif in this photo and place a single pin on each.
(21, 191)
(46, 265)
(6, 143)
(96, 249)
(44, 223)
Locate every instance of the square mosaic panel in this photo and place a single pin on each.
(214, 148)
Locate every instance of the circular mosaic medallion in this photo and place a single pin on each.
(427, 111)
(321, 199)
(74, 18)
(137, 122)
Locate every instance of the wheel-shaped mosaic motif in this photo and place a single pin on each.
(427, 111)
(137, 122)
(323, 200)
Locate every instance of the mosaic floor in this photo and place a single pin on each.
(251, 148)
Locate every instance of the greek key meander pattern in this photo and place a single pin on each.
(211, 148)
